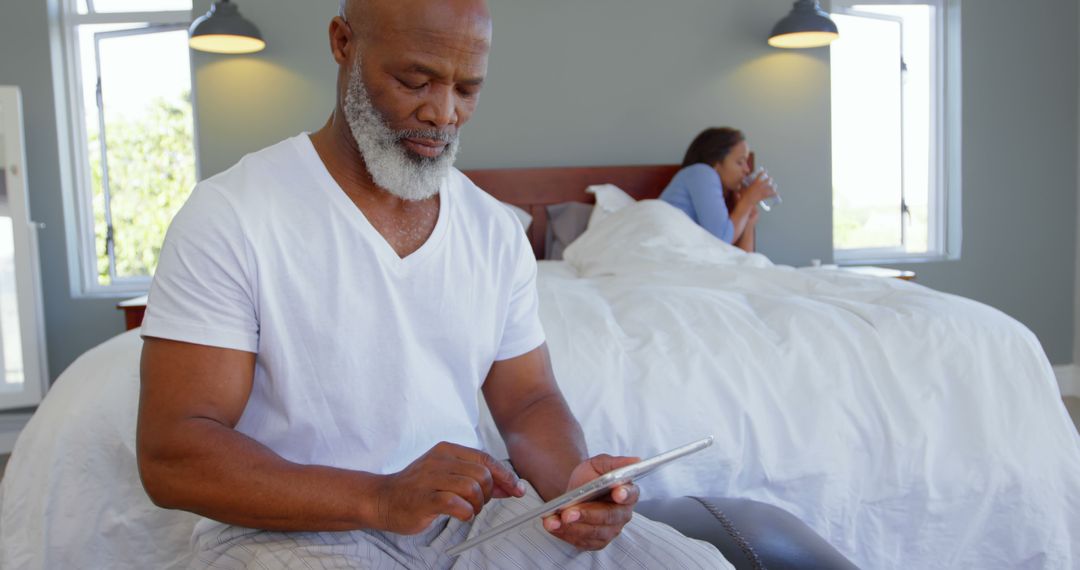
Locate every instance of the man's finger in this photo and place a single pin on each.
(447, 503)
(503, 476)
(587, 536)
(603, 463)
(501, 473)
(570, 516)
(467, 488)
(626, 494)
(474, 472)
(597, 514)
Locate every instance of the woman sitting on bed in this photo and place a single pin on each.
(710, 186)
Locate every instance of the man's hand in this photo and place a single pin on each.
(447, 480)
(592, 525)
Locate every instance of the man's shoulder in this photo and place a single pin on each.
(484, 213)
(245, 190)
(256, 168)
(468, 190)
(476, 200)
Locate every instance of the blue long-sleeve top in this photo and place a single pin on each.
(697, 191)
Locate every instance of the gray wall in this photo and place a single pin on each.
(71, 325)
(631, 81)
(576, 82)
(572, 83)
(1020, 152)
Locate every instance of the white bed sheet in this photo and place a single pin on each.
(911, 428)
(71, 496)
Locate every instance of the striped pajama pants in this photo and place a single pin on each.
(642, 544)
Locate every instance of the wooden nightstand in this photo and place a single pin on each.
(875, 271)
(134, 309)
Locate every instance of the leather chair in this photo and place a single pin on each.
(750, 534)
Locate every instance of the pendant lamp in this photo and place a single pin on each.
(224, 30)
(807, 26)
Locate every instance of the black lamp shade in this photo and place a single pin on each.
(806, 26)
(224, 30)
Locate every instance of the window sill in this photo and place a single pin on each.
(847, 260)
(112, 292)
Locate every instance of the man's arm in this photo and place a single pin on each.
(547, 448)
(190, 457)
(543, 437)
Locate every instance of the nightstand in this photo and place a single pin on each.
(133, 311)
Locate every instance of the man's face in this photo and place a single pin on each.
(416, 72)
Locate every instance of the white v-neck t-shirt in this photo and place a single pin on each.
(364, 360)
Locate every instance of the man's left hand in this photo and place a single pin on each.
(594, 524)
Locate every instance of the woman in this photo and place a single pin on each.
(712, 186)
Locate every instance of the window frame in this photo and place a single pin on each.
(944, 218)
(78, 204)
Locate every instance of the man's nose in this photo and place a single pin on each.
(440, 108)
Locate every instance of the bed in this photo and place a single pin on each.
(910, 428)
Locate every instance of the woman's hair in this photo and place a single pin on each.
(712, 146)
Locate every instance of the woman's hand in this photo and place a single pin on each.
(760, 188)
(752, 220)
(745, 213)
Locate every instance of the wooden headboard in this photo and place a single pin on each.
(533, 189)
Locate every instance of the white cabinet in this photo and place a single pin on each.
(23, 375)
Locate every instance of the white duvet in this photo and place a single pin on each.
(911, 428)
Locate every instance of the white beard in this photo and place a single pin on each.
(393, 168)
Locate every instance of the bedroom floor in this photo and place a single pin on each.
(1072, 404)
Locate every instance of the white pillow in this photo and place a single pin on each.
(609, 199)
(522, 216)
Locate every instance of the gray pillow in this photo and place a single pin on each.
(566, 222)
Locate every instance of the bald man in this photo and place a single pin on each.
(326, 314)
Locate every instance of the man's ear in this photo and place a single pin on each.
(341, 37)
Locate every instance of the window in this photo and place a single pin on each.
(895, 79)
(131, 129)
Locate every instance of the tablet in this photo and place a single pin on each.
(591, 490)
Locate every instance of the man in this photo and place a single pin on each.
(324, 316)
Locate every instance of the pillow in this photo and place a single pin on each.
(609, 199)
(522, 216)
(566, 222)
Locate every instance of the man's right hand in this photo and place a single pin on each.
(450, 480)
